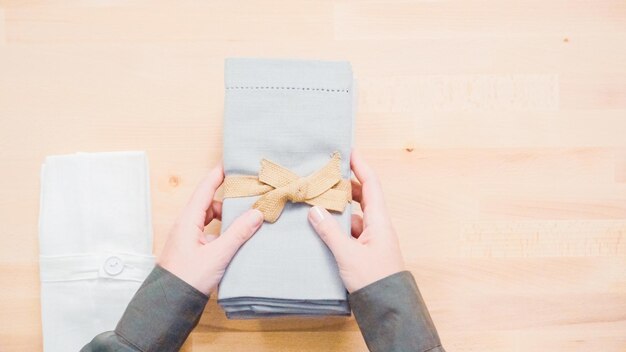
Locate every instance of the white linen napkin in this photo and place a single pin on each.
(95, 243)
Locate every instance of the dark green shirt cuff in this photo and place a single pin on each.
(162, 313)
(393, 316)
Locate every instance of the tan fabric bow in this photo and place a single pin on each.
(277, 185)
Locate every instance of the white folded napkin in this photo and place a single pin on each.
(95, 243)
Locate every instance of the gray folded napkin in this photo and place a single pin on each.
(294, 113)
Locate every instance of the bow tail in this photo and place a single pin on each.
(271, 204)
(333, 199)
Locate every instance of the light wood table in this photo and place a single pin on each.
(498, 129)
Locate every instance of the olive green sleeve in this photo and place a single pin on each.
(159, 317)
(392, 316)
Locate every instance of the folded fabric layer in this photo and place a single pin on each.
(95, 242)
(296, 114)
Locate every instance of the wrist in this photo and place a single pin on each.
(189, 276)
(373, 277)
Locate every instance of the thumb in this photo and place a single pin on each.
(329, 231)
(239, 232)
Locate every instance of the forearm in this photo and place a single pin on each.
(393, 316)
(159, 317)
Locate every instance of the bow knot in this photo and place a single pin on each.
(298, 191)
(277, 185)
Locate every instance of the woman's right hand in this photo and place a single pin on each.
(372, 252)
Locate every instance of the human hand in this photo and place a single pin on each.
(199, 259)
(372, 252)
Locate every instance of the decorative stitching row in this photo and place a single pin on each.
(291, 88)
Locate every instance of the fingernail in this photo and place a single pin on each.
(316, 215)
(256, 217)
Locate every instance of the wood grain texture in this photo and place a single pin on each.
(498, 129)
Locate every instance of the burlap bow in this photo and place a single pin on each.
(277, 185)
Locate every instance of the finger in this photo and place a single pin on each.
(329, 231)
(214, 212)
(372, 198)
(217, 209)
(209, 215)
(204, 239)
(356, 191)
(239, 232)
(203, 196)
(356, 226)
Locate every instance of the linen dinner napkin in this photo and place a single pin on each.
(95, 243)
(296, 114)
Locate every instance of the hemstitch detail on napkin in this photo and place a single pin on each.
(292, 88)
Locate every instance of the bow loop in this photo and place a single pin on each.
(278, 185)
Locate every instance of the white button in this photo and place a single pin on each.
(113, 266)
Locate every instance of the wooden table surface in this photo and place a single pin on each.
(498, 129)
